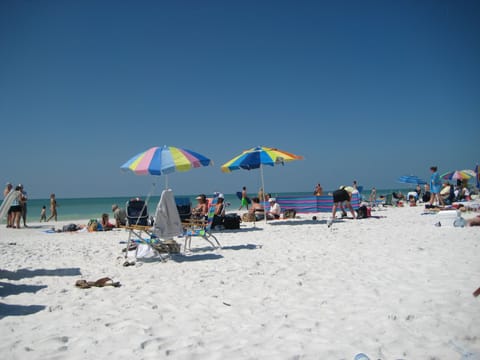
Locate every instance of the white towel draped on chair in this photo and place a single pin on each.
(167, 223)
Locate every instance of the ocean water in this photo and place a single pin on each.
(93, 208)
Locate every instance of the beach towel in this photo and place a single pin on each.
(167, 222)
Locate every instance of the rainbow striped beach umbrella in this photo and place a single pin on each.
(458, 175)
(165, 160)
(257, 157)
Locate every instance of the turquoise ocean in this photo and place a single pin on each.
(92, 208)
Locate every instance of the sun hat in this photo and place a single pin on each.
(272, 199)
(220, 196)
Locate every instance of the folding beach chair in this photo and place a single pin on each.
(184, 207)
(388, 200)
(201, 228)
(159, 237)
(137, 213)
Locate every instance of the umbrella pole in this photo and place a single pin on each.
(264, 192)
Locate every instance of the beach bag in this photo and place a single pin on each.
(248, 217)
(92, 225)
(289, 214)
(232, 221)
(69, 227)
(362, 212)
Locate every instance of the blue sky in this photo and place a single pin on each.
(364, 90)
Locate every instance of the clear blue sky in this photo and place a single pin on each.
(365, 90)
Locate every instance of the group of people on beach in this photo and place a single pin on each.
(435, 194)
(18, 207)
(256, 211)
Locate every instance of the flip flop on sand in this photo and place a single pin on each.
(105, 281)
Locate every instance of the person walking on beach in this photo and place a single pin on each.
(53, 208)
(373, 197)
(344, 194)
(435, 187)
(244, 199)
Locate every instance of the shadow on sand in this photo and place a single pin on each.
(19, 310)
(7, 289)
(26, 273)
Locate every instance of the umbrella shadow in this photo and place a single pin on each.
(298, 222)
(26, 273)
(242, 247)
(180, 258)
(19, 310)
(7, 289)
(242, 229)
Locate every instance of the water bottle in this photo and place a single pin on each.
(459, 221)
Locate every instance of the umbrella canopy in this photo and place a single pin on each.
(165, 160)
(458, 175)
(411, 179)
(257, 157)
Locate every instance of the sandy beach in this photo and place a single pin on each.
(393, 286)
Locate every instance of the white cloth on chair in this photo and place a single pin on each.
(167, 223)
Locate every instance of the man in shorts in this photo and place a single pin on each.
(344, 194)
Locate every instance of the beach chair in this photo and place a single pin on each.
(201, 228)
(184, 207)
(159, 237)
(388, 200)
(137, 213)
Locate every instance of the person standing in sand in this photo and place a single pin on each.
(23, 204)
(53, 208)
(435, 187)
(318, 191)
(6, 191)
(261, 194)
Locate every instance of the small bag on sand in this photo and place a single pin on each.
(289, 214)
(248, 217)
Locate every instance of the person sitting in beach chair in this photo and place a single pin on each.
(201, 210)
(219, 213)
(201, 227)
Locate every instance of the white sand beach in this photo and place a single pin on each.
(392, 286)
